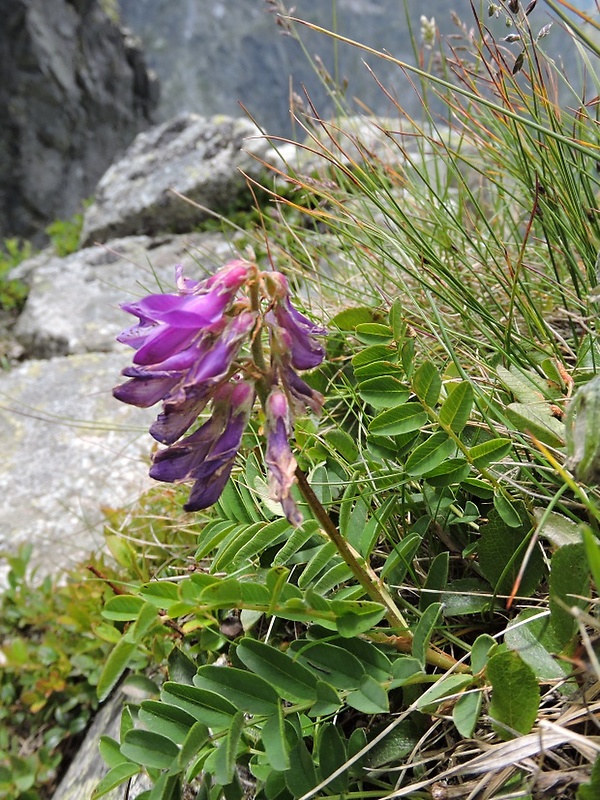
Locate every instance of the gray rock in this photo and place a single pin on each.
(73, 303)
(74, 91)
(69, 448)
(88, 767)
(199, 158)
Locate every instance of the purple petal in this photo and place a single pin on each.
(207, 491)
(175, 463)
(164, 342)
(179, 413)
(144, 392)
(305, 397)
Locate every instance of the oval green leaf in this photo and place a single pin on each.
(456, 408)
(515, 694)
(402, 419)
(383, 391)
(429, 455)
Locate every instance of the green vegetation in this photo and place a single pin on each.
(64, 234)
(13, 293)
(431, 625)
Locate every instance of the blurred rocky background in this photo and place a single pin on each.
(78, 78)
(74, 91)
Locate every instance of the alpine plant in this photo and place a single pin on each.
(217, 345)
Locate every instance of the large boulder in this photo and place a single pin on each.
(202, 159)
(74, 91)
(68, 449)
(73, 302)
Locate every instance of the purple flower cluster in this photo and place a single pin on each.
(198, 348)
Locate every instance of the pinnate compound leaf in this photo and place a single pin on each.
(149, 749)
(292, 680)
(430, 454)
(244, 689)
(427, 384)
(515, 694)
(456, 408)
(402, 419)
(115, 777)
(486, 453)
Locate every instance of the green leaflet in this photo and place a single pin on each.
(149, 749)
(166, 720)
(205, 706)
(384, 391)
(430, 454)
(427, 384)
(569, 576)
(293, 681)
(515, 694)
(402, 419)
(245, 690)
(456, 408)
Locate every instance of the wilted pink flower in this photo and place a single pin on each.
(279, 459)
(305, 351)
